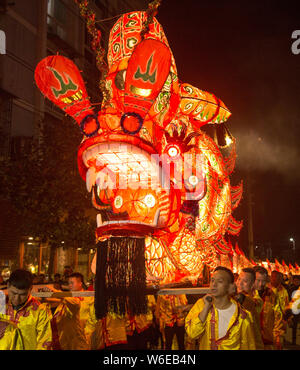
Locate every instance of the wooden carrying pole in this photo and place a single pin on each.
(40, 258)
(169, 291)
(21, 255)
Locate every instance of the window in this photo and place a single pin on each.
(56, 18)
(64, 22)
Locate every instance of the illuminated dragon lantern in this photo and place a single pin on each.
(160, 184)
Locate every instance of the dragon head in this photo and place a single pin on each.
(151, 170)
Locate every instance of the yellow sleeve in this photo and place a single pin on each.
(183, 299)
(73, 303)
(17, 340)
(151, 302)
(247, 336)
(10, 335)
(43, 328)
(279, 323)
(194, 327)
(286, 299)
(93, 331)
(259, 303)
(90, 324)
(157, 308)
(159, 314)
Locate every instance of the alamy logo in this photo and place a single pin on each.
(2, 42)
(154, 171)
(296, 43)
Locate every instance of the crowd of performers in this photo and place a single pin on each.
(250, 310)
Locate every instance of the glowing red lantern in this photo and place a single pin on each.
(60, 81)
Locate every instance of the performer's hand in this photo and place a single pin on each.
(208, 299)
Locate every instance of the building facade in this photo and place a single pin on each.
(33, 29)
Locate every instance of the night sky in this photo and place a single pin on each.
(241, 52)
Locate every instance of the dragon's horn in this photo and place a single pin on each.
(60, 81)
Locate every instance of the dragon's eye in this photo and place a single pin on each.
(149, 200)
(118, 202)
(173, 151)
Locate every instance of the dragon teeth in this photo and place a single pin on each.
(99, 220)
(90, 178)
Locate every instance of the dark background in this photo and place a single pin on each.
(241, 52)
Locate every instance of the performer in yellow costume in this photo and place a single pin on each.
(273, 326)
(30, 318)
(279, 290)
(70, 318)
(138, 326)
(170, 314)
(250, 301)
(109, 332)
(218, 320)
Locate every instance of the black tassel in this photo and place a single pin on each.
(120, 281)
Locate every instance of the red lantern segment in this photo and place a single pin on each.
(147, 71)
(60, 81)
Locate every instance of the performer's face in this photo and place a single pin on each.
(220, 284)
(275, 279)
(260, 282)
(75, 284)
(244, 282)
(17, 296)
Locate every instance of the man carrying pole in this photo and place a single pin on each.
(70, 318)
(217, 319)
(26, 319)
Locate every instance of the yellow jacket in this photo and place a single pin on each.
(239, 334)
(254, 305)
(34, 322)
(105, 332)
(10, 335)
(283, 296)
(168, 309)
(69, 321)
(143, 321)
(271, 319)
